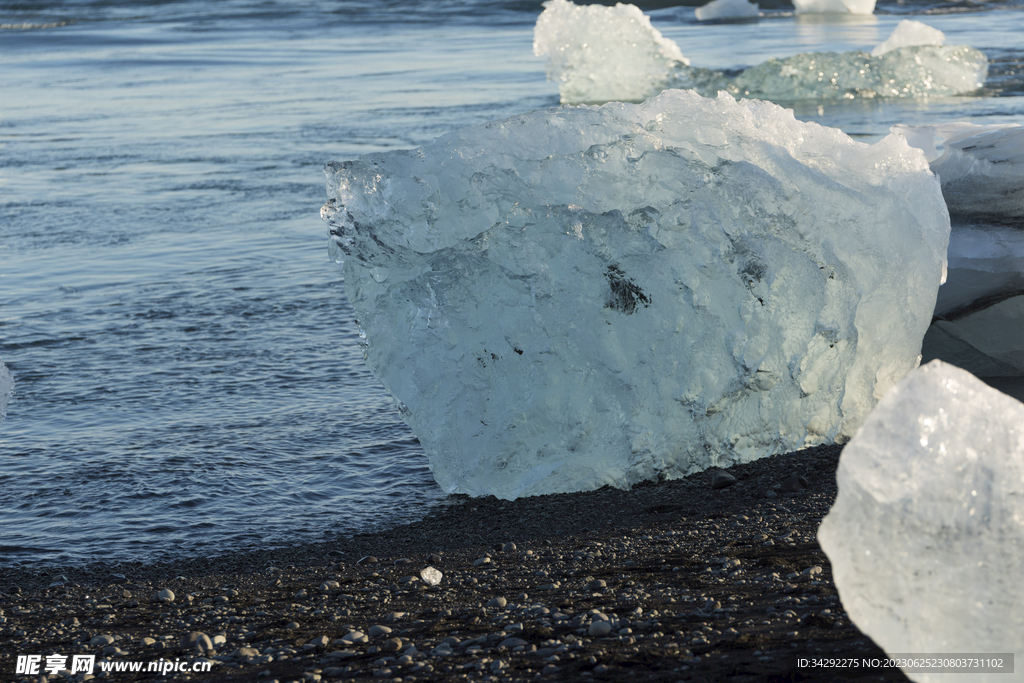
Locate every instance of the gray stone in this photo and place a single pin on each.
(600, 629)
(165, 595)
(101, 640)
(722, 479)
(794, 484)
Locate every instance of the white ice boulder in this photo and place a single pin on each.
(834, 6)
(727, 9)
(909, 33)
(599, 54)
(981, 167)
(624, 56)
(585, 296)
(926, 536)
(6, 389)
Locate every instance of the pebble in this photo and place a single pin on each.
(369, 559)
(794, 484)
(197, 640)
(722, 479)
(509, 547)
(599, 629)
(165, 595)
(101, 641)
(497, 602)
(392, 645)
(480, 562)
(377, 631)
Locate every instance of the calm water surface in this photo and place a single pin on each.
(188, 377)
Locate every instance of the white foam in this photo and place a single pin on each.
(909, 33)
(6, 389)
(834, 6)
(586, 296)
(727, 9)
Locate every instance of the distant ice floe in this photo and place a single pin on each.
(727, 9)
(598, 54)
(615, 48)
(834, 6)
(909, 33)
(926, 536)
(6, 389)
(589, 296)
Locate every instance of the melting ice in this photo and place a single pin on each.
(586, 296)
(926, 537)
(601, 54)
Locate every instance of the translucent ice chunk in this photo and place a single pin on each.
(926, 537)
(623, 55)
(981, 167)
(909, 33)
(834, 6)
(588, 296)
(596, 61)
(727, 9)
(6, 389)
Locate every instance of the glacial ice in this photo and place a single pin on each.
(627, 58)
(585, 296)
(909, 33)
(981, 167)
(590, 55)
(926, 536)
(6, 389)
(980, 309)
(727, 9)
(834, 6)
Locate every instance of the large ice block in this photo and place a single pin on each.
(926, 537)
(585, 296)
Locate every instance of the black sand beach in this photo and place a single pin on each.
(691, 583)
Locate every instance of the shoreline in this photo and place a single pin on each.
(691, 583)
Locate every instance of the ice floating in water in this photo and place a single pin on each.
(575, 50)
(926, 537)
(727, 9)
(981, 167)
(909, 33)
(625, 58)
(834, 6)
(588, 296)
(6, 389)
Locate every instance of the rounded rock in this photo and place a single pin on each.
(722, 479)
(599, 629)
(101, 640)
(376, 631)
(165, 595)
(497, 602)
(391, 645)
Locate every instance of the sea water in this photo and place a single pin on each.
(188, 374)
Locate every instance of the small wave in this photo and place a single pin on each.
(28, 26)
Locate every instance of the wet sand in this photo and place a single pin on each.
(692, 583)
